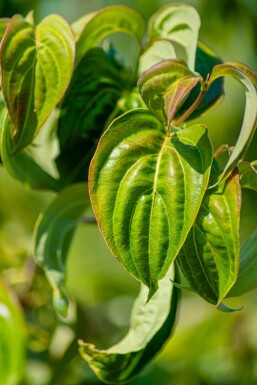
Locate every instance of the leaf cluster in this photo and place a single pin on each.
(127, 147)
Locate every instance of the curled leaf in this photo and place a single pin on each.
(165, 85)
(36, 65)
(209, 259)
(156, 185)
(151, 324)
(12, 339)
(22, 166)
(158, 50)
(205, 60)
(53, 235)
(177, 23)
(248, 79)
(105, 22)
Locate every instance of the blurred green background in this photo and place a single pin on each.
(209, 347)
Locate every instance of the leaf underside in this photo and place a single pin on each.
(36, 65)
(178, 23)
(150, 326)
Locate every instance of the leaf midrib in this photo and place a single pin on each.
(156, 175)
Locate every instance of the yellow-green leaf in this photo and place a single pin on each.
(209, 259)
(36, 65)
(165, 85)
(12, 339)
(150, 325)
(146, 188)
(177, 23)
(105, 22)
(248, 79)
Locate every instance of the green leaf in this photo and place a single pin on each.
(165, 85)
(155, 186)
(209, 259)
(248, 79)
(12, 339)
(150, 326)
(22, 166)
(53, 235)
(105, 22)
(36, 65)
(95, 88)
(205, 60)
(79, 25)
(178, 23)
(248, 175)
(158, 50)
(247, 277)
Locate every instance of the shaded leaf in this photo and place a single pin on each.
(22, 166)
(248, 175)
(150, 326)
(177, 23)
(248, 79)
(247, 277)
(162, 84)
(96, 86)
(117, 18)
(36, 65)
(155, 187)
(53, 234)
(209, 259)
(12, 339)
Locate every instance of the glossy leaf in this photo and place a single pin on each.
(105, 22)
(158, 50)
(248, 79)
(22, 166)
(150, 326)
(247, 277)
(248, 175)
(37, 65)
(209, 259)
(53, 235)
(165, 85)
(178, 23)
(155, 187)
(205, 60)
(12, 339)
(96, 86)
